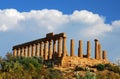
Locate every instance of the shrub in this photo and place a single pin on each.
(115, 69)
(110, 67)
(77, 68)
(89, 75)
(100, 67)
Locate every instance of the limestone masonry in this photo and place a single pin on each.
(53, 50)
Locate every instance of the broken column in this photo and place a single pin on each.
(88, 49)
(72, 48)
(104, 55)
(100, 51)
(80, 51)
(59, 47)
(96, 49)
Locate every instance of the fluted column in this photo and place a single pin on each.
(23, 51)
(80, 49)
(104, 55)
(30, 51)
(64, 46)
(15, 52)
(26, 48)
(96, 49)
(88, 49)
(100, 51)
(37, 49)
(54, 47)
(59, 47)
(33, 49)
(72, 48)
(46, 50)
(19, 50)
(50, 49)
(41, 49)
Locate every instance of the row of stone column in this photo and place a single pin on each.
(44, 49)
(99, 54)
(80, 49)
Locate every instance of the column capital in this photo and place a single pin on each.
(95, 40)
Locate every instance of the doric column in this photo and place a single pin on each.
(23, 51)
(15, 52)
(30, 51)
(26, 51)
(46, 50)
(59, 47)
(19, 50)
(34, 53)
(41, 49)
(80, 51)
(100, 51)
(96, 49)
(50, 49)
(72, 48)
(64, 46)
(33, 49)
(88, 49)
(37, 49)
(54, 47)
(104, 55)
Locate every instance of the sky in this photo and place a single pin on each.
(25, 20)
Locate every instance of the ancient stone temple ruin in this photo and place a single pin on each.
(53, 49)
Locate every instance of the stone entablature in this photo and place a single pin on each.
(53, 48)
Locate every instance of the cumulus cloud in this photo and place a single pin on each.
(9, 19)
(85, 22)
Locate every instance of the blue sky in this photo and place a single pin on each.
(25, 20)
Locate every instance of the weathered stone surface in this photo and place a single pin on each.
(80, 49)
(64, 47)
(100, 51)
(59, 47)
(50, 49)
(96, 49)
(72, 48)
(53, 48)
(88, 49)
(104, 55)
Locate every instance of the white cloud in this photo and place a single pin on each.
(86, 17)
(116, 24)
(3, 28)
(9, 19)
(85, 22)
